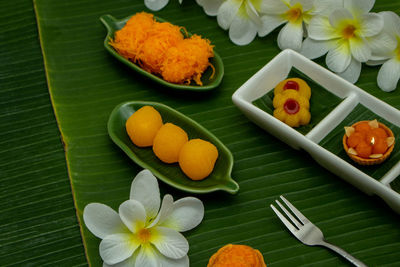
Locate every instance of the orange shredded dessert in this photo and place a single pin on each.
(187, 60)
(160, 38)
(129, 40)
(160, 48)
(236, 256)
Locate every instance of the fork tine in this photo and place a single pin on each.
(299, 215)
(293, 219)
(284, 220)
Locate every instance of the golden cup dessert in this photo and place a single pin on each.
(168, 142)
(143, 126)
(368, 142)
(197, 158)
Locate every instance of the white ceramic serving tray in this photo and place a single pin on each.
(277, 70)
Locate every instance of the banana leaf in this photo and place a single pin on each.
(86, 83)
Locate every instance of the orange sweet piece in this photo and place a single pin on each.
(236, 256)
(143, 125)
(379, 132)
(380, 146)
(197, 158)
(364, 149)
(362, 127)
(168, 142)
(354, 139)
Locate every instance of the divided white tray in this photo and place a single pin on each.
(277, 70)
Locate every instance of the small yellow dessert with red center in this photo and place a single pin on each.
(143, 125)
(168, 142)
(296, 84)
(368, 142)
(292, 108)
(197, 158)
(236, 256)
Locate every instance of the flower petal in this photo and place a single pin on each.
(132, 214)
(305, 4)
(338, 16)
(375, 62)
(389, 75)
(145, 189)
(382, 45)
(167, 262)
(352, 73)
(242, 31)
(325, 7)
(210, 6)
(359, 6)
(338, 59)
(391, 23)
(314, 49)
(117, 248)
(129, 262)
(165, 211)
(270, 23)
(102, 220)
(291, 36)
(372, 24)
(321, 29)
(360, 49)
(170, 243)
(187, 213)
(227, 12)
(147, 257)
(253, 14)
(273, 7)
(155, 5)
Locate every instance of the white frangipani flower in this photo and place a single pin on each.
(142, 233)
(389, 74)
(157, 5)
(296, 14)
(241, 17)
(345, 36)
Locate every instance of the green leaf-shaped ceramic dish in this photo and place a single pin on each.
(113, 25)
(219, 179)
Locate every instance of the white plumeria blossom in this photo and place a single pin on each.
(346, 36)
(296, 14)
(142, 233)
(241, 17)
(157, 5)
(389, 73)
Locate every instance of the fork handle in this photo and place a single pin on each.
(345, 254)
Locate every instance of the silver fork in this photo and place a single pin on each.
(306, 232)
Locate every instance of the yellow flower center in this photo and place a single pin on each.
(144, 235)
(397, 51)
(348, 31)
(295, 13)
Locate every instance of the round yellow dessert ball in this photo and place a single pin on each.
(143, 126)
(168, 142)
(197, 158)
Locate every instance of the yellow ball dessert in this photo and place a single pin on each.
(168, 142)
(197, 158)
(143, 126)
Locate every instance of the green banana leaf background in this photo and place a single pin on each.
(56, 95)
